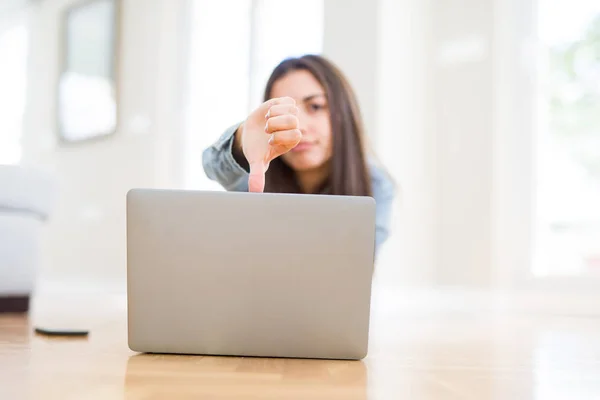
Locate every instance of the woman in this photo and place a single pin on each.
(307, 137)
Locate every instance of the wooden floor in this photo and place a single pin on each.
(424, 345)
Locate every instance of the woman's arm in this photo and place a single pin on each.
(384, 194)
(225, 163)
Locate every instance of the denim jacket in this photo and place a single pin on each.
(220, 165)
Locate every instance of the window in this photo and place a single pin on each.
(219, 57)
(227, 76)
(276, 37)
(568, 160)
(13, 81)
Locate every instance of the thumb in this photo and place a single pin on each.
(256, 181)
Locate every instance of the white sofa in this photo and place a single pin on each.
(26, 199)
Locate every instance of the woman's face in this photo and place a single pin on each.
(314, 150)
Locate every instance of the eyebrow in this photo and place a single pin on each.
(312, 96)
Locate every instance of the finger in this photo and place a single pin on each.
(282, 123)
(287, 139)
(256, 180)
(275, 101)
(281, 109)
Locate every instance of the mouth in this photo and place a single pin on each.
(302, 146)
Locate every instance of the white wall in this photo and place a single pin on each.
(86, 235)
(462, 108)
(483, 108)
(514, 142)
(9, 7)
(407, 143)
(447, 99)
(350, 40)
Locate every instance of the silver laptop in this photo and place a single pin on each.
(246, 274)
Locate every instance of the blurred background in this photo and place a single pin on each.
(486, 112)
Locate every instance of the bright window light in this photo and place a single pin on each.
(13, 81)
(568, 150)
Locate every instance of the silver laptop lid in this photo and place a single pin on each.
(245, 274)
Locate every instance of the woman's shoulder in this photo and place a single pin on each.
(382, 183)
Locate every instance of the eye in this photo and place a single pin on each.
(315, 107)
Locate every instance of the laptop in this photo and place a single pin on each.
(249, 274)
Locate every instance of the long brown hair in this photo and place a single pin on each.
(349, 173)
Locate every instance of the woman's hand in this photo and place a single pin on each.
(270, 131)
